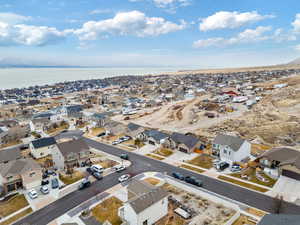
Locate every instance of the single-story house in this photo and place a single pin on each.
(134, 130)
(146, 204)
(10, 154)
(231, 148)
(286, 160)
(115, 128)
(20, 173)
(42, 147)
(184, 143)
(280, 219)
(71, 154)
(155, 137)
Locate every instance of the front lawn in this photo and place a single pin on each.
(108, 210)
(155, 156)
(164, 152)
(71, 178)
(203, 160)
(16, 217)
(197, 170)
(12, 205)
(243, 184)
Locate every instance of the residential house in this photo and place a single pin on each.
(38, 124)
(3, 134)
(146, 204)
(115, 128)
(73, 111)
(71, 154)
(20, 173)
(10, 154)
(285, 160)
(100, 119)
(184, 143)
(42, 147)
(134, 130)
(155, 137)
(280, 219)
(231, 148)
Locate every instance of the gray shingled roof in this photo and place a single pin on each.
(43, 142)
(280, 219)
(156, 135)
(74, 146)
(10, 154)
(188, 140)
(17, 167)
(286, 156)
(232, 141)
(133, 126)
(145, 196)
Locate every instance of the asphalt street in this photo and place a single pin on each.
(142, 164)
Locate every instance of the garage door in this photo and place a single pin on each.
(151, 142)
(183, 150)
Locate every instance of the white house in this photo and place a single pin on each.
(231, 148)
(42, 147)
(146, 204)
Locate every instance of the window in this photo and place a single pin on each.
(32, 174)
(145, 222)
(225, 151)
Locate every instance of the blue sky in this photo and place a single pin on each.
(179, 33)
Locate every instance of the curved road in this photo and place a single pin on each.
(142, 164)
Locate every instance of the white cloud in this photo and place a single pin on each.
(225, 19)
(247, 36)
(296, 23)
(13, 18)
(169, 5)
(22, 34)
(100, 11)
(297, 47)
(133, 23)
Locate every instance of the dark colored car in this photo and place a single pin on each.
(178, 176)
(84, 184)
(222, 166)
(45, 182)
(89, 170)
(101, 134)
(45, 175)
(54, 183)
(124, 156)
(97, 175)
(194, 181)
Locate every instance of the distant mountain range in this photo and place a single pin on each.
(295, 62)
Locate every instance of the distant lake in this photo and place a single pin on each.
(25, 77)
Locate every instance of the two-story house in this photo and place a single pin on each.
(20, 173)
(231, 148)
(42, 147)
(71, 154)
(146, 204)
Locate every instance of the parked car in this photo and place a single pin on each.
(84, 184)
(119, 168)
(97, 175)
(32, 194)
(222, 166)
(235, 168)
(97, 168)
(124, 178)
(45, 175)
(89, 170)
(178, 176)
(45, 182)
(44, 189)
(194, 181)
(54, 183)
(50, 172)
(124, 156)
(101, 134)
(116, 142)
(125, 138)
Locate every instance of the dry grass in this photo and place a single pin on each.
(254, 179)
(243, 220)
(152, 181)
(257, 149)
(17, 217)
(72, 178)
(12, 205)
(155, 157)
(243, 184)
(96, 131)
(12, 143)
(204, 161)
(172, 218)
(198, 170)
(58, 129)
(256, 212)
(108, 210)
(107, 163)
(164, 152)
